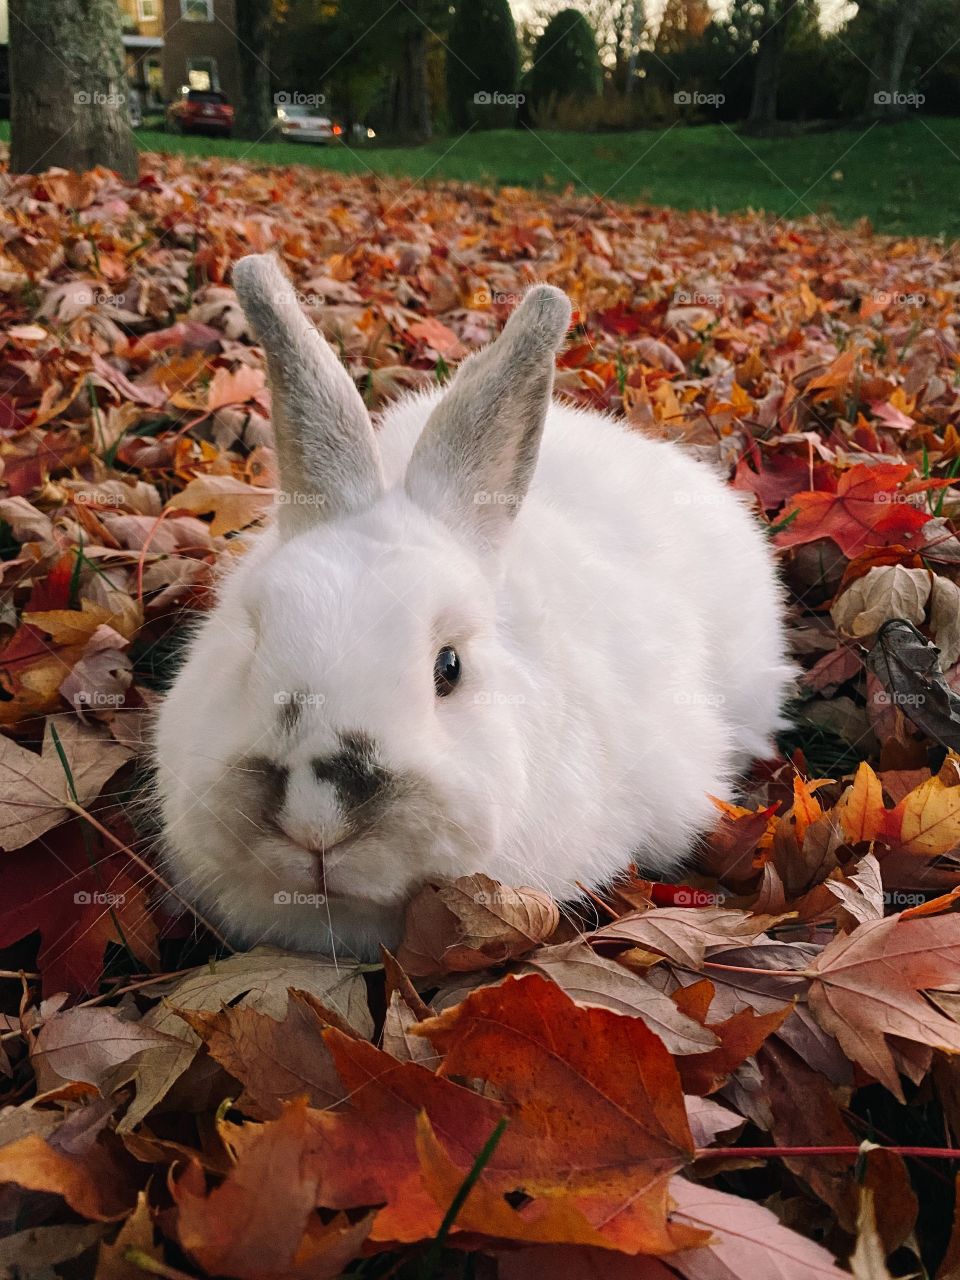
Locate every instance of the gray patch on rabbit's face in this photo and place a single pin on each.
(291, 713)
(254, 787)
(253, 790)
(365, 787)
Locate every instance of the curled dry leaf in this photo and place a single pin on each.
(888, 591)
(908, 667)
(472, 923)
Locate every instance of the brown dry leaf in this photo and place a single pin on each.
(945, 620)
(275, 1061)
(888, 591)
(472, 923)
(35, 789)
(868, 985)
(805, 1112)
(862, 893)
(708, 1119)
(35, 1165)
(86, 1044)
(136, 1233)
(398, 1034)
(592, 979)
(235, 505)
(683, 934)
(259, 1224)
(235, 386)
(46, 1248)
(260, 980)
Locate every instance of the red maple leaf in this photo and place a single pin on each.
(866, 511)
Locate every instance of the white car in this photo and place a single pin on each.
(304, 124)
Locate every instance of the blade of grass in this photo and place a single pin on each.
(432, 1261)
(85, 836)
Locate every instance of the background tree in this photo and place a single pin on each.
(886, 30)
(763, 31)
(565, 62)
(682, 22)
(256, 116)
(482, 57)
(68, 87)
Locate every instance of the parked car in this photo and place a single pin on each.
(201, 111)
(306, 124)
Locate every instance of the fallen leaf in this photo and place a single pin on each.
(472, 923)
(36, 789)
(868, 985)
(234, 505)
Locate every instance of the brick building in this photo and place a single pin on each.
(200, 47)
(142, 25)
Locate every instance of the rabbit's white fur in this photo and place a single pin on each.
(619, 627)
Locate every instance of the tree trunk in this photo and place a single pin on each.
(897, 29)
(637, 23)
(68, 88)
(412, 94)
(766, 78)
(255, 110)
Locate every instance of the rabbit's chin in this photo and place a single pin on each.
(350, 928)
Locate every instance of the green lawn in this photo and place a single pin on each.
(905, 178)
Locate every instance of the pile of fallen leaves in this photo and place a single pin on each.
(752, 1074)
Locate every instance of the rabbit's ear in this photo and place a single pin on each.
(328, 457)
(475, 458)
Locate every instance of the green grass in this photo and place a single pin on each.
(904, 177)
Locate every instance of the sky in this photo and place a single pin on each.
(833, 10)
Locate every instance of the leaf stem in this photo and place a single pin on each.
(766, 973)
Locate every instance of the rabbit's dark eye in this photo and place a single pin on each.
(446, 671)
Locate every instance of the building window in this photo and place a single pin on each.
(202, 73)
(148, 10)
(197, 10)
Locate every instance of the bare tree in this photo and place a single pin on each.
(68, 88)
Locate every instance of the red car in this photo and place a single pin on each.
(201, 111)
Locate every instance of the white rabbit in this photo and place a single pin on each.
(500, 634)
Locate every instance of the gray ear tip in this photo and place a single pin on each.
(260, 281)
(256, 269)
(549, 311)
